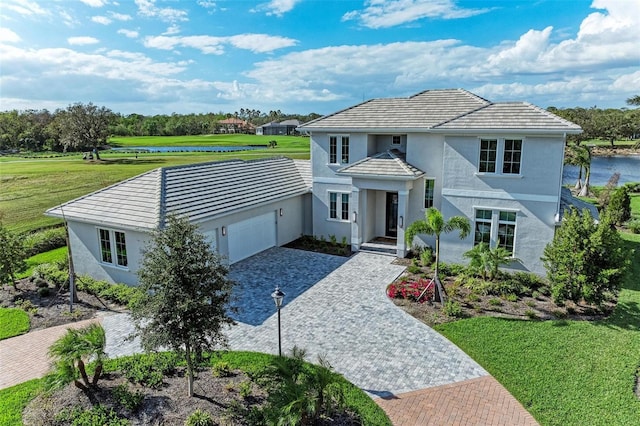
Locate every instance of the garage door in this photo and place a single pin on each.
(251, 236)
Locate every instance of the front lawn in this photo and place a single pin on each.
(51, 256)
(13, 322)
(565, 372)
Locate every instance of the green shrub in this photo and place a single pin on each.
(26, 305)
(52, 273)
(414, 269)
(41, 241)
(452, 309)
(129, 400)
(531, 314)
(97, 415)
(426, 256)
(634, 226)
(245, 389)
(148, 370)
(221, 369)
(44, 292)
(451, 269)
(200, 418)
(510, 297)
(121, 294)
(495, 302)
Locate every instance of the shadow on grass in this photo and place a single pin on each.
(128, 161)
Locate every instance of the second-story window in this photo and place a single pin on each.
(488, 154)
(511, 158)
(338, 149)
(429, 186)
(500, 156)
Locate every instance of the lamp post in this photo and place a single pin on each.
(278, 297)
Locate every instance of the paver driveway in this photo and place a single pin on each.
(336, 307)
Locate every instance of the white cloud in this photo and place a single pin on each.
(94, 3)
(257, 43)
(390, 13)
(6, 35)
(81, 41)
(120, 16)
(24, 7)
(149, 9)
(172, 30)
(207, 4)
(277, 7)
(101, 20)
(128, 33)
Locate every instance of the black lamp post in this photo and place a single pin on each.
(278, 297)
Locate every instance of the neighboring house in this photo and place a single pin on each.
(375, 168)
(242, 207)
(287, 128)
(379, 165)
(235, 125)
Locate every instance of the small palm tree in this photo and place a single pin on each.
(72, 351)
(434, 224)
(485, 260)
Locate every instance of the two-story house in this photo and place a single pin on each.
(377, 166)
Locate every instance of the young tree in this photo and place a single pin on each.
(586, 259)
(434, 224)
(12, 256)
(185, 294)
(619, 207)
(71, 352)
(84, 126)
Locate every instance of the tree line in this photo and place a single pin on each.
(87, 126)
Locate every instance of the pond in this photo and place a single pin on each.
(603, 167)
(189, 148)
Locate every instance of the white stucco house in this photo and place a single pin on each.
(374, 169)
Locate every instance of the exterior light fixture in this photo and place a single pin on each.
(224, 231)
(281, 212)
(355, 216)
(401, 221)
(278, 297)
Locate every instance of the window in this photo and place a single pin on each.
(500, 156)
(429, 185)
(483, 227)
(395, 140)
(341, 211)
(488, 154)
(333, 149)
(496, 228)
(512, 152)
(338, 144)
(507, 230)
(345, 149)
(109, 251)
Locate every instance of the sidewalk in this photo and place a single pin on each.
(25, 357)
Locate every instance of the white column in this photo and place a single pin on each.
(356, 218)
(403, 208)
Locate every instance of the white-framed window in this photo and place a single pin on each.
(500, 156)
(338, 145)
(497, 228)
(339, 206)
(395, 140)
(113, 247)
(429, 190)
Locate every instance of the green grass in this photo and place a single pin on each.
(284, 142)
(14, 399)
(30, 186)
(51, 256)
(565, 372)
(13, 322)
(635, 205)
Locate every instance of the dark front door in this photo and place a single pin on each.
(392, 215)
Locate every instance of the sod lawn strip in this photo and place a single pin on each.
(13, 322)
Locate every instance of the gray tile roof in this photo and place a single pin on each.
(390, 164)
(440, 110)
(510, 115)
(199, 191)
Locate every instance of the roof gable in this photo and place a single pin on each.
(389, 164)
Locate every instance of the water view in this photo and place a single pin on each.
(189, 148)
(603, 167)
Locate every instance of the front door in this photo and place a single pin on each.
(391, 228)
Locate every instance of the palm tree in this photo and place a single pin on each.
(434, 224)
(580, 156)
(484, 259)
(73, 350)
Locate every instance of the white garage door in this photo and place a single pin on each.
(251, 236)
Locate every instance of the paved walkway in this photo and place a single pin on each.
(337, 307)
(25, 357)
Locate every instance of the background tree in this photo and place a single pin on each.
(586, 260)
(12, 256)
(84, 126)
(72, 351)
(434, 224)
(634, 100)
(185, 294)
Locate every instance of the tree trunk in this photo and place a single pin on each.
(437, 279)
(97, 374)
(189, 368)
(584, 192)
(83, 372)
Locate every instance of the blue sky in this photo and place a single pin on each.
(303, 56)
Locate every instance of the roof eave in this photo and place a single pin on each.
(380, 177)
(108, 224)
(505, 131)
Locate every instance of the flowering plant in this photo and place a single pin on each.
(412, 290)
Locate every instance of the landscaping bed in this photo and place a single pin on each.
(516, 297)
(50, 307)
